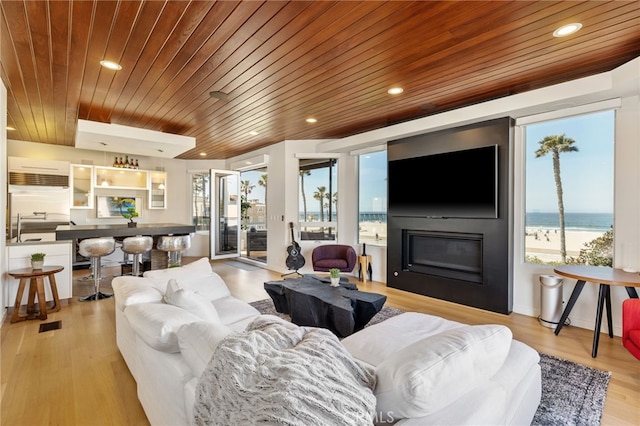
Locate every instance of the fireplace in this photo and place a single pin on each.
(444, 254)
(454, 251)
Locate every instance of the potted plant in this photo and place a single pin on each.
(334, 274)
(127, 210)
(37, 260)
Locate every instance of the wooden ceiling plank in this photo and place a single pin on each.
(59, 15)
(217, 17)
(180, 89)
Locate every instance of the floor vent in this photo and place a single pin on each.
(50, 326)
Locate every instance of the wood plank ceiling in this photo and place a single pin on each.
(282, 62)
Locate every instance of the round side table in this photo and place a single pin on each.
(36, 288)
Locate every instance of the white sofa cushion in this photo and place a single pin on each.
(196, 276)
(431, 373)
(134, 290)
(189, 300)
(198, 340)
(156, 324)
(233, 310)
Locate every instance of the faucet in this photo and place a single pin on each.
(19, 238)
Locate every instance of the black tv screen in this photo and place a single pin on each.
(458, 184)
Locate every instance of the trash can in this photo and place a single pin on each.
(550, 300)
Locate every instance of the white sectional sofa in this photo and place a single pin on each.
(428, 370)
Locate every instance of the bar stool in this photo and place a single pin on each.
(96, 248)
(174, 245)
(136, 246)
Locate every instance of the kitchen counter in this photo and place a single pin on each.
(73, 232)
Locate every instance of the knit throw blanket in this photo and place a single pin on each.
(278, 373)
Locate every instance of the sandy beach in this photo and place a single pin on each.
(545, 243)
(541, 243)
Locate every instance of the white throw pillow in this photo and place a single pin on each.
(428, 375)
(187, 299)
(197, 342)
(156, 324)
(160, 277)
(134, 290)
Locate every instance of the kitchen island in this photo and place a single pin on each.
(79, 232)
(119, 232)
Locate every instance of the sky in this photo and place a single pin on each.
(587, 175)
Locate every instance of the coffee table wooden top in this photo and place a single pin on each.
(599, 274)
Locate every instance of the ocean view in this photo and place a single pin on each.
(573, 221)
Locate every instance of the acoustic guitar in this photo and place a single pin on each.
(295, 260)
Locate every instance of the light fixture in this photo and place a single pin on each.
(311, 120)
(10, 128)
(216, 94)
(568, 29)
(395, 90)
(253, 133)
(111, 65)
(203, 154)
(104, 161)
(161, 186)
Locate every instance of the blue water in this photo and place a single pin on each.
(573, 221)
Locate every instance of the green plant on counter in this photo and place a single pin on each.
(37, 257)
(334, 273)
(126, 207)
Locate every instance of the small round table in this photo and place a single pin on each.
(36, 288)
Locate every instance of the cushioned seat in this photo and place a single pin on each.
(631, 326)
(330, 256)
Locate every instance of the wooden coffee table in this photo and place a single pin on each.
(311, 301)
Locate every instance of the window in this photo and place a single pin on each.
(253, 193)
(372, 203)
(569, 190)
(201, 204)
(318, 206)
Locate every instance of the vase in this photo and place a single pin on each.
(335, 281)
(37, 264)
(132, 224)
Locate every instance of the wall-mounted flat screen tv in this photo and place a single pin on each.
(112, 206)
(458, 184)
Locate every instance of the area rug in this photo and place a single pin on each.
(572, 394)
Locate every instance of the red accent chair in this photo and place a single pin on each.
(631, 326)
(329, 256)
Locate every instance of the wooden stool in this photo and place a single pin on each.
(36, 287)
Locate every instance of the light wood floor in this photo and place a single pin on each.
(76, 376)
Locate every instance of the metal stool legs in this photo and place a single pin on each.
(95, 248)
(97, 276)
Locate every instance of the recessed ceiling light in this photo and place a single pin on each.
(311, 120)
(10, 128)
(253, 133)
(111, 65)
(203, 154)
(395, 90)
(568, 29)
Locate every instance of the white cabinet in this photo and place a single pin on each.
(157, 190)
(57, 253)
(112, 177)
(81, 179)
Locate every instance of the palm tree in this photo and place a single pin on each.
(263, 183)
(319, 195)
(245, 188)
(304, 173)
(555, 145)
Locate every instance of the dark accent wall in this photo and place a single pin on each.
(495, 292)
